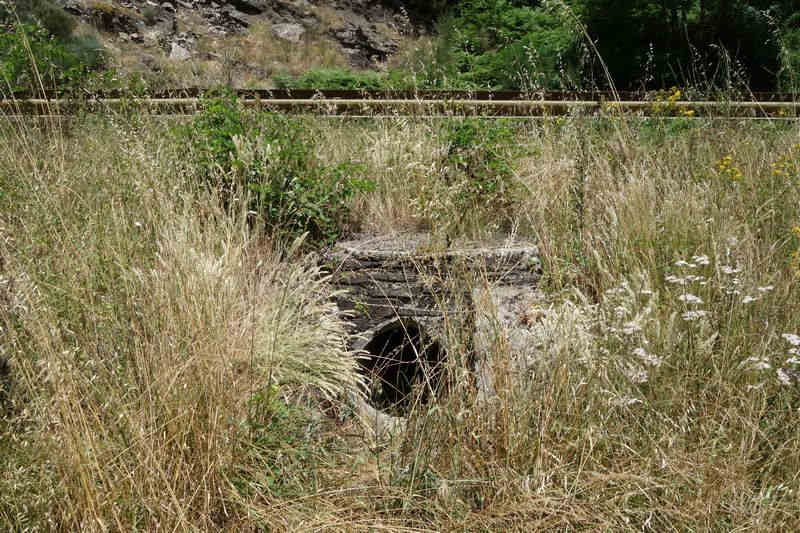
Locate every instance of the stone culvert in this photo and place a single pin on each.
(406, 301)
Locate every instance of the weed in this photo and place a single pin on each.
(477, 183)
(29, 57)
(269, 159)
(332, 78)
(174, 369)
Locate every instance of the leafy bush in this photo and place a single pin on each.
(477, 184)
(477, 147)
(332, 78)
(500, 45)
(270, 158)
(30, 54)
(50, 16)
(212, 135)
(280, 444)
(790, 56)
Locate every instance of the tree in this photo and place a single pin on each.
(506, 44)
(684, 42)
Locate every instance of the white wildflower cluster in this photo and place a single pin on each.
(728, 281)
(729, 270)
(647, 358)
(756, 363)
(791, 338)
(791, 373)
(694, 314)
(686, 281)
(636, 373)
(625, 320)
(690, 299)
(761, 291)
(784, 377)
(624, 401)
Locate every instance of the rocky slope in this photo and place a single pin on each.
(247, 40)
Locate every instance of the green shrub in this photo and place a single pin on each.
(790, 57)
(29, 55)
(212, 134)
(498, 44)
(332, 78)
(279, 444)
(477, 146)
(478, 190)
(45, 13)
(55, 20)
(270, 158)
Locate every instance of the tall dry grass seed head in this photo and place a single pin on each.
(151, 319)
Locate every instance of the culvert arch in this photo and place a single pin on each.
(404, 364)
(401, 293)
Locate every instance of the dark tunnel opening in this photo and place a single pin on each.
(404, 364)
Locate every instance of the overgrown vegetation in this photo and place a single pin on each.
(171, 359)
(475, 187)
(40, 30)
(716, 46)
(334, 78)
(711, 46)
(173, 365)
(503, 45)
(269, 158)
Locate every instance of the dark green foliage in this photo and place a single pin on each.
(789, 39)
(279, 444)
(212, 133)
(51, 17)
(29, 54)
(334, 78)
(269, 157)
(479, 148)
(5, 383)
(37, 48)
(710, 45)
(428, 7)
(499, 44)
(479, 181)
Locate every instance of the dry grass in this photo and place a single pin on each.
(144, 324)
(150, 338)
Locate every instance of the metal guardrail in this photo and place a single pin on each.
(393, 94)
(328, 105)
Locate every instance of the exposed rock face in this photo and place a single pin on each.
(289, 32)
(405, 298)
(250, 7)
(358, 32)
(179, 53)
(365, 30)
(363, 44)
